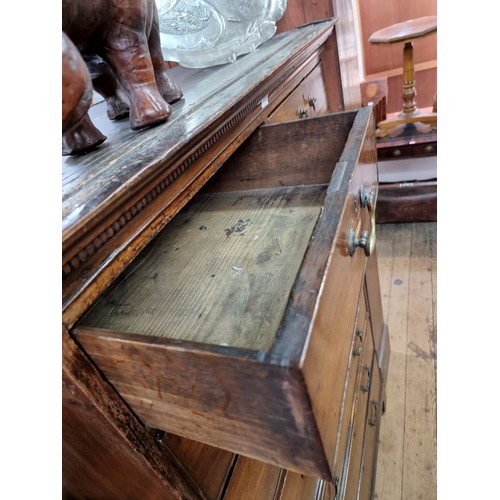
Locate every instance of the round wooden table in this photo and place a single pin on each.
(406, 32)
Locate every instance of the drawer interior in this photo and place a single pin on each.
(222, 271)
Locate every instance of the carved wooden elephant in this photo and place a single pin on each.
(79, 133)
(120, 43)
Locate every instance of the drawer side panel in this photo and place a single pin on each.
(242, 405)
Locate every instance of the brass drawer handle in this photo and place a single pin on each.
(368, 238)
(311, 101)
(357, 352)
(359, 349)
(366, 387)
(366, 242)
(367, 199)
(302, 112)
(372, 422)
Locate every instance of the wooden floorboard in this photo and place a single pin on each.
(407, 451)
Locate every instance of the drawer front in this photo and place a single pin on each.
(387, 152)
(325, 366)
(370, 446)
(306, 101)
(353, 463)
(253, 479)
(299, 487)
(358, 339)
(206, 465)
(328, 490)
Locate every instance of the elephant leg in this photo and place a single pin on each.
(81, 139)
(109, 87)
(76, 85)
(170, 91)
(128, 55)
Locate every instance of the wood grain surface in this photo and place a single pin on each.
(220, 273)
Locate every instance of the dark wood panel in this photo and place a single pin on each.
(374, 93)
(106, 451)
(393, 151)
(276, 155)
(407, 202)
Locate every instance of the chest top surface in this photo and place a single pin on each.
(90, 181)
(116, 198)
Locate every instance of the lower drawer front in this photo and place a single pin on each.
(370, 446)
(353, 463)
(350, 388)
(207, 466)
(253, 479)
(299, 487)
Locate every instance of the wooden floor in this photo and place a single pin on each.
(406, 467)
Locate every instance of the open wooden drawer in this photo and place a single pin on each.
(234, 325)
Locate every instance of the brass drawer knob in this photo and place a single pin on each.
(373, 420)
(366, 242)
(368, 238)
(367, 199)
(302, 112)
(311, 101)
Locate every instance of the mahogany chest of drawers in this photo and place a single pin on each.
(222, 312)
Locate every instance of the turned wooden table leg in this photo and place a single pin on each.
(409, 91)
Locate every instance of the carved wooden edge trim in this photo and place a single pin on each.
(103, 238)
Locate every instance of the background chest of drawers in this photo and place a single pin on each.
(222, 323)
